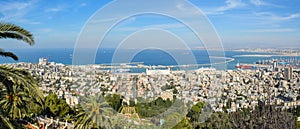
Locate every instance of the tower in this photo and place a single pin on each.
(275, 64)
(288, 73)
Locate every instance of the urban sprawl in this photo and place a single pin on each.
(244, 87)
(225, 91)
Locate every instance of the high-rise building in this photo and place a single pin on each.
(288, 73)
(275, 65)
(43, 61)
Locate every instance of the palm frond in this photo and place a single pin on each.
(4, 121)
(8, 30)
(18, 88)
(9, 54)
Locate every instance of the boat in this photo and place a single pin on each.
(122, 71)
(241, 66)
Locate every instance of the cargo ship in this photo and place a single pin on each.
(241, 66)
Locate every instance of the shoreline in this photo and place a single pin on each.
(268, 56)
(271, 52)
(128, 65)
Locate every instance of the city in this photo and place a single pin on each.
(225, 91)
(140, 64)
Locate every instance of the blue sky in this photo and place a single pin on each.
(239, 23)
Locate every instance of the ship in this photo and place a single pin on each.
(122, 70)
(241, 66)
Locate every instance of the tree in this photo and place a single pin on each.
(84, 121)
(219, 120)
(96, 113)
(18, 89)
(183, 124)
(18, 92)
(56, 107)
(263, 116)
(194, 113)
(153, 108)
(171, 120)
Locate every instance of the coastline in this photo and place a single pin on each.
(257, 55)
(271, 52)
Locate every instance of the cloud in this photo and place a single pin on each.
(292, 16)
(55, 9)
(258, 2)
(274, 17)
(273, 30)
(263, 3)
(8, 6)
(229, 5)
(15, 11)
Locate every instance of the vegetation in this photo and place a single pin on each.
(21, 99)
(19, 92)
(262, 117)
(115, 101)
(153, 108)
(96, 113)
(195, 112)
(184, 124)
(55, 107)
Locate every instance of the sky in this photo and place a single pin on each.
(238, 23)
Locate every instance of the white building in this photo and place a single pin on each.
(158, 71)
(43, 61)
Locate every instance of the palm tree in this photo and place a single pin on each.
(12, 31)
(83, 121)
(18, 89)
(96, 114)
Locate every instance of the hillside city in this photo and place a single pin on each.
(156, 64)
(224, 91)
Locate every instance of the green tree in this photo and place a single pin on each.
(195, 112)
(83, 120)
(153, 108)
(183, 124)
(56, 107)
(263, 116)
(18, 89)
(96, 112)
(219, 120)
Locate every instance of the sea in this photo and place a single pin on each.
(151, 57)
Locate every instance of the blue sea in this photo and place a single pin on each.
(148, 57)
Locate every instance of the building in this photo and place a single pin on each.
(275, 66)
(288, 73)
(72, 100)
(43, 61)
(166, 95)
(158, 71)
